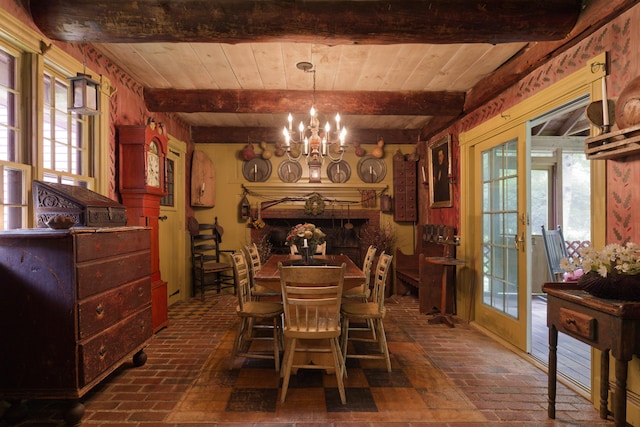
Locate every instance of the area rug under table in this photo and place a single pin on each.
(247, 390)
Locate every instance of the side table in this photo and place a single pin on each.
(447, 262)
(607, 325)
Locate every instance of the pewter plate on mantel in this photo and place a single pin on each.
(339, 172)
(289, 171)
(256, 170)
(372, 170)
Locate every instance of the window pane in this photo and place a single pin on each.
(65, 144)
(8, 108)
(14, 206)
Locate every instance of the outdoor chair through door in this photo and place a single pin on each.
(555, 249)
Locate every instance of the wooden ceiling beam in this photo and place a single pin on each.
(595, 14)
(403, 103)
(237, 135)
(330, 22)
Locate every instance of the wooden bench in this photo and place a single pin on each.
(417, 276)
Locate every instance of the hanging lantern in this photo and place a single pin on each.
(245, 208)
(84, 95)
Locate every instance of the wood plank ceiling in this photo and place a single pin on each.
(400, 70)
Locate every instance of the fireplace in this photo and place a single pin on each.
(340, 239)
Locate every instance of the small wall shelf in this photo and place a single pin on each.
(613, 145)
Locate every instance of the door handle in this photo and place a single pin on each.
(163, 218)
(518, 241)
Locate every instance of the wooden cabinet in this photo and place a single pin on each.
(75, 305)
(405, 207)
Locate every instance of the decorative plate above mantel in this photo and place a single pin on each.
(289, 171)
(339, 172)
(372, 170)
(256, 170)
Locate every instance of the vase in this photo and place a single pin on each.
(623, 287)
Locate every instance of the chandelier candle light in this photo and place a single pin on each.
(315, 142)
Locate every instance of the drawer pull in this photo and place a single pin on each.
(578, 324)
(140, 292)
(142, 324)
(99, 309)
(102, 352)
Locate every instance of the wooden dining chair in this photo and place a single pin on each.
(255, 264)
(320, 249)
(373, 310)
(311, 298)
(363, 292)
(252, 316)
(209, 263)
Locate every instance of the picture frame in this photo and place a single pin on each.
(440, 187)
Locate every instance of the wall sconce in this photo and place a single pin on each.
(84, 95)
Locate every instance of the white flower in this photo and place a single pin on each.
(613, 258)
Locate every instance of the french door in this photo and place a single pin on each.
(500, 188)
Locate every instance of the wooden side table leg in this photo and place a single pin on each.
(604, 384)
(553, 366)
(620, 396)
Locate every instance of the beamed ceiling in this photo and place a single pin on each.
(400, 70)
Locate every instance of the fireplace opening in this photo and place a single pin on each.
(343, 231)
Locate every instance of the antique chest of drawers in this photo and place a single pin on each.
(75, 305)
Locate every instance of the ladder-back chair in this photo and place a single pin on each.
(209, 266)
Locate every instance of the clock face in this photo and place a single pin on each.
(153, 166)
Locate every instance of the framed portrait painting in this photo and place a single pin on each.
(439, 158)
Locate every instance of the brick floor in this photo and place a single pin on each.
(507, 389)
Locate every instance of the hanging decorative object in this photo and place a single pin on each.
(368, 198)
(84, 92)
(385, 203)
(245, 208)
(314, 205)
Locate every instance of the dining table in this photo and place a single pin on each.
(269, 275)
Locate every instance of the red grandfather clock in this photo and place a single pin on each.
(143, 151)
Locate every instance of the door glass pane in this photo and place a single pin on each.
(500, 226)
(539, 199)
(576, 197)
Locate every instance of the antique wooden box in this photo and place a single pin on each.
(87, 207)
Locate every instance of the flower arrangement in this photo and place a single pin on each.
(611, 260)
(304, 235)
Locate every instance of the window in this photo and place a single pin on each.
(39, 138)
(65, 145)
(14, 175)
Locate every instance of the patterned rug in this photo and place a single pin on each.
(247, 390)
